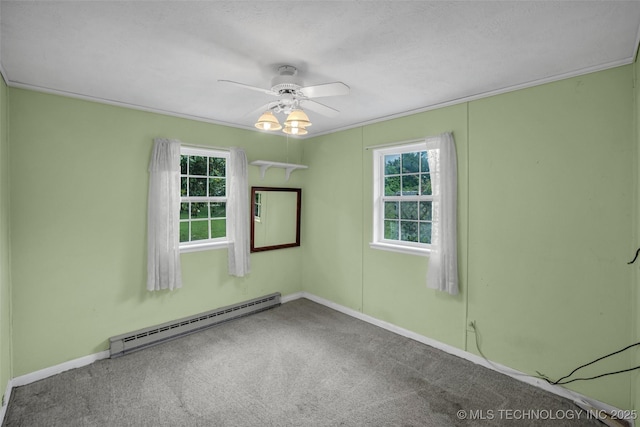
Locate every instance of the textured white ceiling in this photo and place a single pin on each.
(397, 56)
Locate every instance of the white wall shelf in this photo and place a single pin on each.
(288, 167)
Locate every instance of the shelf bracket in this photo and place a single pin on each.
(288, 167)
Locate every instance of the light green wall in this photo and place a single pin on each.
(547, 177)
(5, 247)
(635, 391)
(551, 229)
(78, 204)
(331, 218)
(339, 265)
(408, 303)
(545, 183)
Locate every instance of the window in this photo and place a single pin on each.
(203, 198)
(405, 202)
(257, 211)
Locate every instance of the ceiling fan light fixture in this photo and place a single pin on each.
(268, 121)
(297, 119)
(289, 130)
(292, 93)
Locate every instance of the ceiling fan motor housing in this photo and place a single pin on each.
(286, 81)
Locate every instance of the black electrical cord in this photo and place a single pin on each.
(635, 257)
(592, 378)
(560, 381)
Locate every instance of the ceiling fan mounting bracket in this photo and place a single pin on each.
(286, 80)
(287, 70)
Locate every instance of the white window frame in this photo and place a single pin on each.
(257, 214)
(379, 242)
(218, 242)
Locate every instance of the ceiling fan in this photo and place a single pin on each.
(292, 98)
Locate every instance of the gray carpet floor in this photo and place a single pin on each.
(301, 364)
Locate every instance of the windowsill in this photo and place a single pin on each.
(400, 248)
(203, 246)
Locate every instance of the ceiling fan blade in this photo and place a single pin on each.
(326, 89)
(242, 85)
(319, 108)
(258, 111)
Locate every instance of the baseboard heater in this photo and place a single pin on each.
(137, 340)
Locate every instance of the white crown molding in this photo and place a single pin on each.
(634, 54)
(488, 94)
(98, 100)
(475, 97)
(3, 73)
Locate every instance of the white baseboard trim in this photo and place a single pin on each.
(285, 299)
(46, 373)
(5, 401)
(77, 363)
(582, 401)
(86, 360)
(54, 370)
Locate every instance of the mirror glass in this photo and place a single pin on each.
(275, 218)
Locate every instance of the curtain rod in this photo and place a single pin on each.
(391, 144)
(207, 147)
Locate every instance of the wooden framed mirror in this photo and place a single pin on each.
(275, 218)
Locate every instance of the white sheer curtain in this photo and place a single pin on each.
(238, 213)
(163, 217)
(443, 260)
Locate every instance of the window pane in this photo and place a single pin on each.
(391, 230)
(391, 210)
(217, 186)
(410, 162)
(392, 164)
(424, 162)
(184, 231)
(199, 210)
(218, 228)
(409, 185)
(184, 210)
(425, 232)
(409, 231)
(392, 186)
(218, 210)
(425, 184)
(204, 177)
(409, 210)
(407, 194)
(183, 187)
(425, 211)
(199, 230)
(197, 165)
(197, 187)
(183, 164)
(217, 166)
